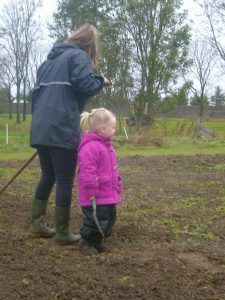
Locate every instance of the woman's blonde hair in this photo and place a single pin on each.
(86, 37)
(97, 117)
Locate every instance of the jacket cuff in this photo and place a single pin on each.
(101, 79)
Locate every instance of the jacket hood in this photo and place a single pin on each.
(93, 136)
(59, 48)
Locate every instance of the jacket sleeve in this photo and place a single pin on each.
(82, 78)
(87, 168)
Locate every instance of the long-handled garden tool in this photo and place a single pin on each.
(17, 173)
(95, 218)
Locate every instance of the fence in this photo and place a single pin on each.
(181, 111)
(4, 107)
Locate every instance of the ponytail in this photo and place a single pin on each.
(95, 118)
(84, 120)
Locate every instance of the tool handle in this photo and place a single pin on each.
(94, 204)
(17, 173)
(95, 217)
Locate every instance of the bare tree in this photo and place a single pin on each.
(19, 32)
(7, 80)
(215, 13)
(203, 58)
(37, 56)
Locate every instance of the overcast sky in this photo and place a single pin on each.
(195, 18)
(193, 10)
(49, 6)
(194, 13)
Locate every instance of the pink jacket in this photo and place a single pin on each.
(98, 174)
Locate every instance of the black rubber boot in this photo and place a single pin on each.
(87, 248)
(38, 227)
(100, 246)
(63, 235)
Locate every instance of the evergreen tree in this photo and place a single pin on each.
(218, 99)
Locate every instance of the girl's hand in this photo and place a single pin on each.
(106, 81)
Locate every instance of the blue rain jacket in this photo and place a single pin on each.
(64, 82)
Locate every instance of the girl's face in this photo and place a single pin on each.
(108, 130)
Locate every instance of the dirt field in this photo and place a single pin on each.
(169, 241)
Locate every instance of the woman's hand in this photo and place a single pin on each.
(106, 81)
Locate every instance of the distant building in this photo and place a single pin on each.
(20, 101)
(4, 106)
(192, 112)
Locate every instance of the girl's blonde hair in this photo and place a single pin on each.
(86, 37)
(97, 117)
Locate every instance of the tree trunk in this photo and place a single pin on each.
(201, 108)
(10, 103)
(10, 109)
(18, 120)
(24, 102)
(24, 110)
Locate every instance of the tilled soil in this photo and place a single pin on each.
(168, 243)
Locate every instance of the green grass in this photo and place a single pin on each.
(220, 166)
(7, 172)
(218, 126)
(175, 147)
(19, 149)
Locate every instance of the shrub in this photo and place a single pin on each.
(148, 137)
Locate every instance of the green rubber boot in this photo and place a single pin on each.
(38, 227)
(63, 235)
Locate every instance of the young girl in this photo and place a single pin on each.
(98, 179)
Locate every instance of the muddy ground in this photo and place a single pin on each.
(169, 241)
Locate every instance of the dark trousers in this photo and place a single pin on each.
(58, 165)
(106, 215)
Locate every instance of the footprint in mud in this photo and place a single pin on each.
(198, 261)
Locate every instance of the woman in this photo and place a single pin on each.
(64, 82)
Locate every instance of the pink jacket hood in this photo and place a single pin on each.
(98, 174)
